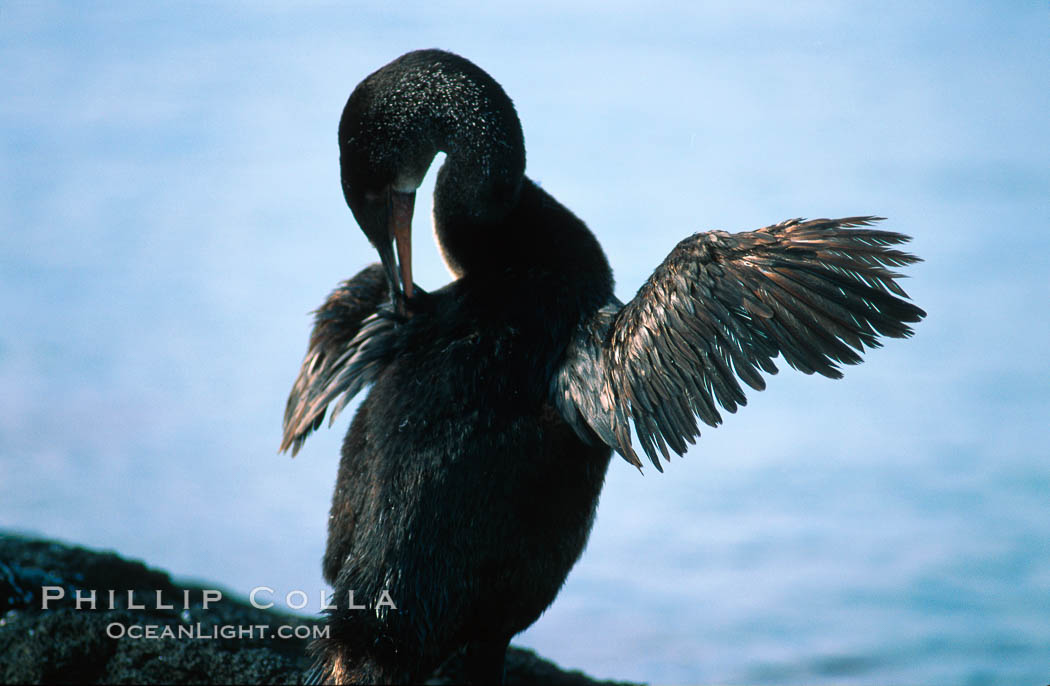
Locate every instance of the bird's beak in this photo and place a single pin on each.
(394, 224)
(400, 225)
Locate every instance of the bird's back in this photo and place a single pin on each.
(462, 492)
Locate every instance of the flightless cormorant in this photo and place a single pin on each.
(471, 472)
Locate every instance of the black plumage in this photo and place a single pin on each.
(471, 472)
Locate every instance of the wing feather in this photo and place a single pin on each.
(716, 312)
(342, 356)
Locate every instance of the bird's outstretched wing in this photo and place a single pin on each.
(719, 309)
(340, 359)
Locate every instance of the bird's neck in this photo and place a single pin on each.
(538, 243)
(456, 108)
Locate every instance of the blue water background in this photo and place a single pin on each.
(170, 212)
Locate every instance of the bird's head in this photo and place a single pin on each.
(394, 124)
(382, 164)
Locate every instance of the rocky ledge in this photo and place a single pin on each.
(181, 637)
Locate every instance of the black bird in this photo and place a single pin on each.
(470, 474)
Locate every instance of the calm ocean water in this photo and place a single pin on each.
(170, 212)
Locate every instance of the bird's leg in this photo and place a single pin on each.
(483, 661)
(340, 663)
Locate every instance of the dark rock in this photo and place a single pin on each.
(64, 644)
